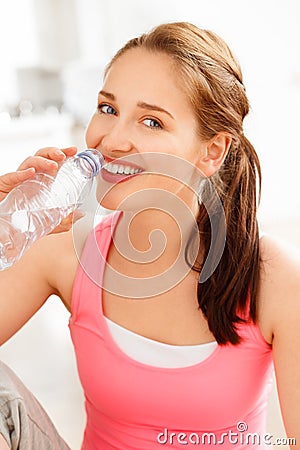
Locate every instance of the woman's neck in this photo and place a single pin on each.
(153, 234)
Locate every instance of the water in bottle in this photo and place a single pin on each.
(35, 207)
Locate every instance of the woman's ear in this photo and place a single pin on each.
(216, 151)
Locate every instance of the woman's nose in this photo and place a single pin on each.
(117, 139)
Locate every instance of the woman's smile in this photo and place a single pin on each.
(115, 173)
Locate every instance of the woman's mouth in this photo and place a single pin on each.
(114, 173)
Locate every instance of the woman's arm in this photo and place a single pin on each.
(26, 285)
(280, 303)
(24, 288)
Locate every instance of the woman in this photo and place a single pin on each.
(175, 331)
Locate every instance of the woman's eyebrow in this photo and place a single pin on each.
(108, 95)
(145, 105)
(142, 105)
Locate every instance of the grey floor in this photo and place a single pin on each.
(42, 355)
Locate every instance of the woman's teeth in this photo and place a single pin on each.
(118, 169)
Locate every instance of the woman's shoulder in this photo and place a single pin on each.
(279, 290)
(280, 261)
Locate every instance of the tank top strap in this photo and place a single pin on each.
(88, 280)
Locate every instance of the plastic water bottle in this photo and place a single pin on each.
(35, 207)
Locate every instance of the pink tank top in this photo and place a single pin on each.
(135, 406)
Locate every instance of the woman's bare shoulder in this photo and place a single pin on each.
(279, 291)
(280, 260)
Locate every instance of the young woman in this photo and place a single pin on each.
(178, 308)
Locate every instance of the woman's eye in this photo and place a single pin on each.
(106, 109)
(152, 123)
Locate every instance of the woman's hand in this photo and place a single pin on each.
(12, 179)
(46, 160)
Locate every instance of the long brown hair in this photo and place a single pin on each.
(213, 81)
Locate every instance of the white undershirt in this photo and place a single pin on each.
(148, 351)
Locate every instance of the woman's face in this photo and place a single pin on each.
(145, 123)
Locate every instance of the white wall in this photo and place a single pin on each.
(18, 44)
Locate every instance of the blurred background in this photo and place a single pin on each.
(52, 57)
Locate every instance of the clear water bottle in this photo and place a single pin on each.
(35, 207)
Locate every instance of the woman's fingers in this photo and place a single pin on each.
(40, 164)
(55, 153)
(12, 179)
(48, 159)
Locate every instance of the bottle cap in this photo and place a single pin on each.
(94, 158)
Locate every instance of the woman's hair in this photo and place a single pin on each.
(213, 82)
